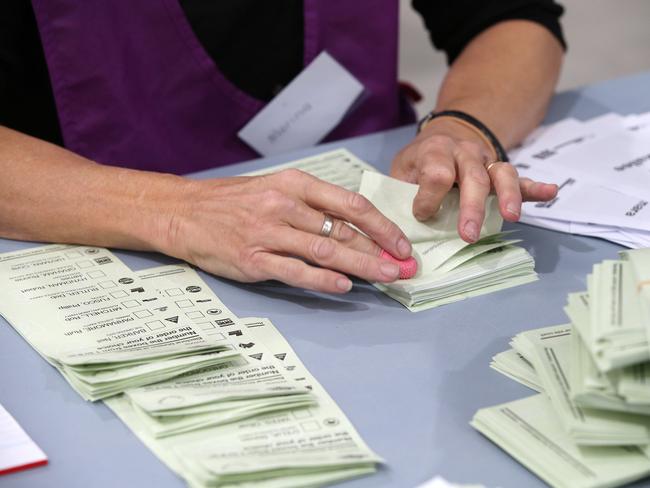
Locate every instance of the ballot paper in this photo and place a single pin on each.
(594, 373)
(528, 430)
(601, 168)
(105, 330)
(517, 367)
(245, 386)
(81, 305)
(220, 400)
(549, 350)
(609, 316)
(339, 167)
(640, 267)
(296, 447)
(17, 450)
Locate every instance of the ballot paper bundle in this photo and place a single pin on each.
(565, 444)
(593, 372)
(601, 167)
(305, 445)
(220, 400)
(104, 329)
(449, 269)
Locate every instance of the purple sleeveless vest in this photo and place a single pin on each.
(135, 88)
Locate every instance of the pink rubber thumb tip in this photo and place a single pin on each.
(407, 267)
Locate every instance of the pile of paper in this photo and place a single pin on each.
(449, 269)
(219, 399)
(591, 425)
(601, 167)
(294, 447)
(528, 430)
(87, 314)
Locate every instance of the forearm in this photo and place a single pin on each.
(505, 77)
(53, 195)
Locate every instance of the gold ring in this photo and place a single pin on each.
(489, 165)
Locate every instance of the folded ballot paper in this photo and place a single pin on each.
(449, 269)
(601, 168)
(593, 374)
(220, 400)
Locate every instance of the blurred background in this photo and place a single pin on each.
(606, 38)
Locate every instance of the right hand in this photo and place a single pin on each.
(267, 227)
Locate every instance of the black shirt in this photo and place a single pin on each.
(269, 32)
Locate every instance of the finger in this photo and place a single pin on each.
(534, 191)
(331, 254)
(305, 218)
(355, 208)
(505, 180)
(437, 174)
(474, 183)
(295, 272)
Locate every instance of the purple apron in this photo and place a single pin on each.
(135, 88)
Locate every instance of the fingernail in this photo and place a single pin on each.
(344, 284)
(471, 230)
(513, 209)
(389, 270)
(404, 247)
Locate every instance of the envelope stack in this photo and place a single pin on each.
(601, 167)
(589, 426)
(219, 399)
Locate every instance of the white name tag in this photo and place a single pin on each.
(304, 112)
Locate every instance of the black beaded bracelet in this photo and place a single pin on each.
(472, 121)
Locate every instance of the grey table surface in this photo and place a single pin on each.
(409, 382)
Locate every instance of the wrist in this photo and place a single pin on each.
(146, 207)
(475, 125)
(448, 126)
(166, 206)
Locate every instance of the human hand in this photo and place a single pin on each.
(445, 153)
(266, 227)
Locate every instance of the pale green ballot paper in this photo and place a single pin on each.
(88, 315)
(306, 446)
(551, 349)
(250, 384)
(529, 431)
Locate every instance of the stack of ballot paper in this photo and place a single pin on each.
(602, 169)
(91, 317)
(449, 269)
(591, 425)
(219, 399)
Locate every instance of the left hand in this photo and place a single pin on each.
(446, 152)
